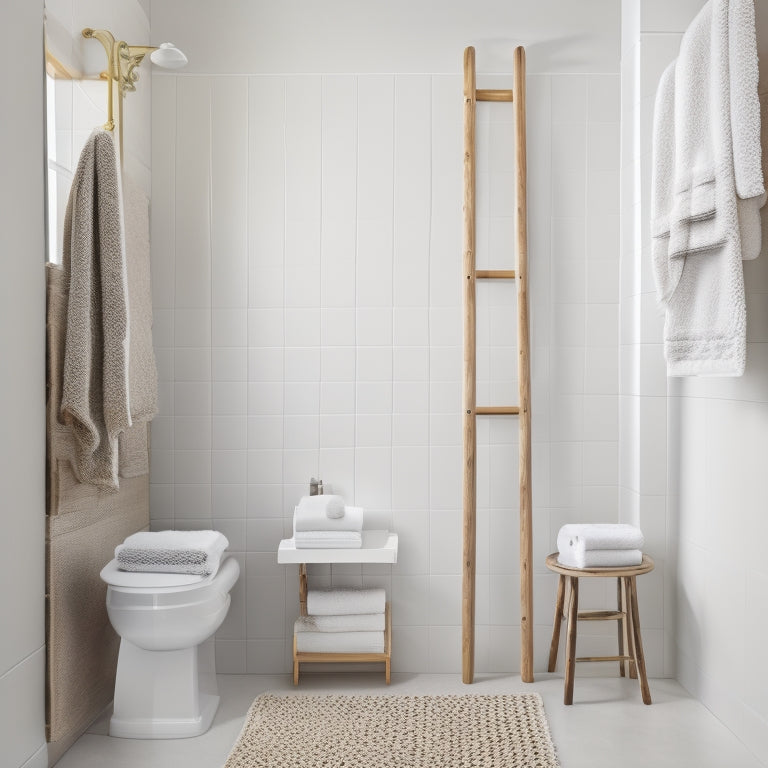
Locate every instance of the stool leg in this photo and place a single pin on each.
(639, 656)
(570, 648)
(555, 645)
(630, 632)
(621, 623)
(295, 663)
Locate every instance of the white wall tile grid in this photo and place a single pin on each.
(306, 246)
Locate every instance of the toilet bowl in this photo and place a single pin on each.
(166, 671)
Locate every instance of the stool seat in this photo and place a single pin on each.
(627, 616)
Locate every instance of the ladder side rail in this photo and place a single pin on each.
(524, 374)
(469, 389)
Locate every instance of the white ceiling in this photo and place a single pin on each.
(285, 36)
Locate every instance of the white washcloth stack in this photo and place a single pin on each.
(193, 552)
(342, 621)
(324, 522)
(599, 545)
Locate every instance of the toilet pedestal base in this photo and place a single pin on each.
(164, 694)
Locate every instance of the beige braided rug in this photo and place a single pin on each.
(475, 731)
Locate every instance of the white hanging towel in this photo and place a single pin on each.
(717, 191)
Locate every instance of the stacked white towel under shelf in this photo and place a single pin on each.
(599, 545)
(342, 621)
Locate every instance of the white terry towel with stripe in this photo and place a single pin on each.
(94, 400)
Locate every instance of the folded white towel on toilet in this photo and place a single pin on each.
(324, 505)
(196, 552)
(352, 622)
(599, 558)
(340, 642)
(315, 519)
(328, 539)
(584, 536)
(338, 602)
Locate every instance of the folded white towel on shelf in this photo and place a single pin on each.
(340, 642)
(323, 505)
(599, 558)
(352, 622)
(341, 602)
(315, 519)
(584, 536)
(328, 539)
(195, 552)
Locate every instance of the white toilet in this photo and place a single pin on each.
(166, 670)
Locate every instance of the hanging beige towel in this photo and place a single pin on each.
(94, 400)
(142, 370)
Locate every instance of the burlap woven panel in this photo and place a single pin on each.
(84, 526)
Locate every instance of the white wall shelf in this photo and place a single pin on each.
(377, 547)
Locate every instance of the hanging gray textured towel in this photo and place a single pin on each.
(95, 382)
(142, 370)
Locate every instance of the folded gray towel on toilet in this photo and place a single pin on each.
(194, 552)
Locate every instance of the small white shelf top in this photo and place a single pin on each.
(378, 547)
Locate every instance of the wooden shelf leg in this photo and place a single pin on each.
(570, 648)
(555, 644)
(303, 588)
(639, 655)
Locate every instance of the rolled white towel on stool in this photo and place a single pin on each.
(341, 602)
(586, 536)
(194, 552)
(340, 642)
(315, 519)
(353, 622)
(600, 558)
(328, 539)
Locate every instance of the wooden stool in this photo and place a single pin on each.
(626, 614)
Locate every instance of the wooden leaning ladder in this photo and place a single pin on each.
(471, 410)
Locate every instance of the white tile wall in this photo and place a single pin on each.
(689, 453)
(309, 319)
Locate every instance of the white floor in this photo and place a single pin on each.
(607, 726)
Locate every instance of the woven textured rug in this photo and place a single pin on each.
(475, 731)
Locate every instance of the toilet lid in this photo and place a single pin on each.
(113, 576)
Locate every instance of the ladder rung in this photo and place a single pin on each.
(494, 410)
(484, 94)
(495, 274)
